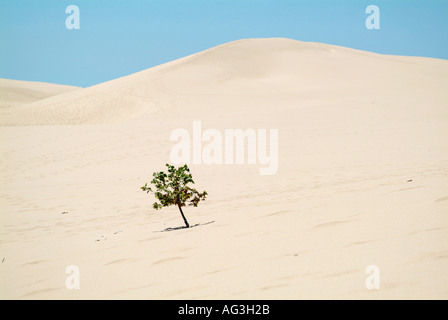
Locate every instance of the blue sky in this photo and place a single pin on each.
(120, 37)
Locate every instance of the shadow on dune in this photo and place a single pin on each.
(184, 227)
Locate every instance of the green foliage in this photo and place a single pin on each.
(172, 188)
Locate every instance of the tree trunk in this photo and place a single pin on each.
(185, 220)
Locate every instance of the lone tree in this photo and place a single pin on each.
(173, 189)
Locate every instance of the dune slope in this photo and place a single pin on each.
(15, 92)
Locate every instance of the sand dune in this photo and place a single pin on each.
(15, 92)
(362, 180)
(247, 70)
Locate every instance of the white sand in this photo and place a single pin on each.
(15, 92)
(354, 127)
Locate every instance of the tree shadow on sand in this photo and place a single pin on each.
(184, 227)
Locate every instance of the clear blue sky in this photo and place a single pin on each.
(120, 37)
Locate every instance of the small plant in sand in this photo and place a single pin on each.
(172, 189)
